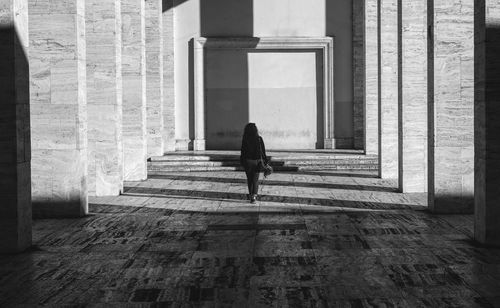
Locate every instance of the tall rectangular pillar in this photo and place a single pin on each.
(487, 122)
(451, 106)
(389, 88)
(58, 108)
(359, 63)
(154, 76)
(413, 104)
(134, 90)
(104, 97)
(15, 156)
(371, 120)
(168, 77)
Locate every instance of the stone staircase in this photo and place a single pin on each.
(280, 160)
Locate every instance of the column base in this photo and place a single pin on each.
(199, 145)
(329, 144)
(182, 144)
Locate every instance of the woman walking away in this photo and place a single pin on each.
(253, 155)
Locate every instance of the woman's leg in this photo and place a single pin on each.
(255, 181)
(249, 181)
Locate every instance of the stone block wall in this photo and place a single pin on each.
(413, 99)
(134, 90)
(487, 121)
(371, 99)
(58, 107)
(389, 88)
(168, 77)
(154, 76)
(359, 69)
(451, 106)
(15, 154)
(104, 97)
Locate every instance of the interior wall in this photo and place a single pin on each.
(262, 18)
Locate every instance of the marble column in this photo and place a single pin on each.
(168, 77)
(134, 90)
(104, 97)
(359, 64)
(15, 154)
(389, 88)
(487, 122)
(371, 120)
(58, 108)
(451, 106)
(413, 104)
(154, 76)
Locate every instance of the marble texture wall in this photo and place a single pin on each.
(413, 104)
(104, 97)
(154, 76)
(134, 90)
(57, 58)
(15, 154)
(487, 121)
(389, 88)
(168, 76)
(371, 99)
(451, 106)
(359, 64)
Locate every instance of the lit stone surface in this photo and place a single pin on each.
(359, 64)
(487, 122)
(154, 76)
(451, 143)
(15, 154)
(134, 90)
(372, 77)
(168, 76)
(104, 97)
(389, 89)
(309, 242)
(413, 124)
(58, 107)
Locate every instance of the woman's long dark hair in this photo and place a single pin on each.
(251, 135)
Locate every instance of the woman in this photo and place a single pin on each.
(252, 152)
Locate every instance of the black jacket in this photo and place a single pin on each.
(252, 150)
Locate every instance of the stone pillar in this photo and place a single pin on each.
(134, 90)
(104, 97)
(58, 108)
(199, 98)
(168, 77)
(371, 120)
(451, 106)
(413, 104)
(389, 88)
(154, 76)
(487, 122)
(359, 64)
(15, 156)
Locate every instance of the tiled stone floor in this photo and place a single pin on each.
(314, 240)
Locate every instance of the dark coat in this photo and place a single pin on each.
(253, 150)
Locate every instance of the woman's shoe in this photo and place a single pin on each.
(253, 198)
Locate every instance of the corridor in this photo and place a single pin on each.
(315, 239)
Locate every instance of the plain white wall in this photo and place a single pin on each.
(219, 18)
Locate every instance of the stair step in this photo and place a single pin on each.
(273, 163)
(337, 157)
(238, 168)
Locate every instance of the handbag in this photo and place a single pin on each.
(265, 167)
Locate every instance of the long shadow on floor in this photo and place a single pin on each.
(277, 183)
(167, 193)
